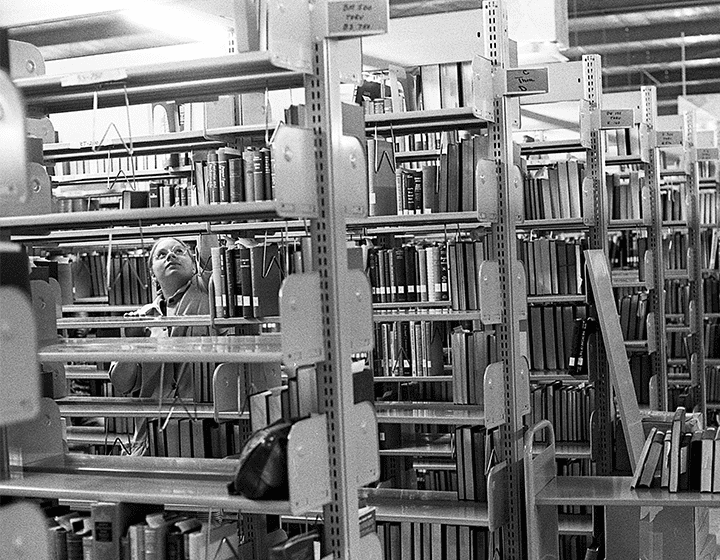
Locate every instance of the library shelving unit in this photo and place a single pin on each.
(434, 507)
(559, 217)
(322, 312)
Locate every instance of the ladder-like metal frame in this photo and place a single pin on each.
(655, 242)
(694, 264)
(504, 233)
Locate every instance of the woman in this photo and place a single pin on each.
(181, 291)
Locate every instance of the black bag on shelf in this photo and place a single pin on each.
(262, 469)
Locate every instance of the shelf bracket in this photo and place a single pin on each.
(302, 334)
(294, 166)
(494, 397)
(487, 189)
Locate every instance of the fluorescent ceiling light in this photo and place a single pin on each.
(180, 22)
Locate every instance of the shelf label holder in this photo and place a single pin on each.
(357, 18)
(616, 118)
(667, 138)
(526, 81)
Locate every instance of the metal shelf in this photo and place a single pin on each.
(144, 216)
(419, 121)
(124, 407)
(204, 78)
(429, 413)
(552, 147)
(186, 141)
(242, 349)
(559, 224)
(390, 315)
(413, 378)
(148, 322)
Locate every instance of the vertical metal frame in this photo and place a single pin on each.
(597, 239)
(342, 535)
(657, 292)
(694, 262)
(504, 234)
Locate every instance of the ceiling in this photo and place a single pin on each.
(672, 44)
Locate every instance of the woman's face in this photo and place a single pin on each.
(172, 261)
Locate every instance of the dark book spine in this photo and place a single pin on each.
(230, 256)
(235, 176)
(223, 178)
(268, 179)
(213, 185)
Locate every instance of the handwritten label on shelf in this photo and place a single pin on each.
(707, 154)
(527, 81)
(94, 77)
(616, 118)
(668, 138)
(351, 19)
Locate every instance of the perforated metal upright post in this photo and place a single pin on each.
(504, 233)
(597, 239)
(335, 389)
(694, 264)
(655, 243)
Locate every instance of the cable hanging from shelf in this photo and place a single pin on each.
(127, 146)
(176, 398)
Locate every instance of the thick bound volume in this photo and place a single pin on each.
(110, 521)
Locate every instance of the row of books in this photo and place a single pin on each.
(625, 195)
(410, 348)
(626, 250)
(247, 280)
(681, 458)
(447, 184)
(424, 88)
(712, 384)
(420, 141)
(711, 291)
(633, 310)
(710, 247)
(677, 296)
(415, 540)
(712, 338)
(409, 273)
(622, 141)
(121, 530)
(414, 391)
(473, 459)
(553, 265)
(230, 175)
(673, 201)
(130, 281)
(165, 193)
(89, 274)
(471, 351)
(567, 406)
(553, 191)
(675, 249)
(116, 165)
(555, 337)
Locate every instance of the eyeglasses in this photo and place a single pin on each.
(162, 254)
